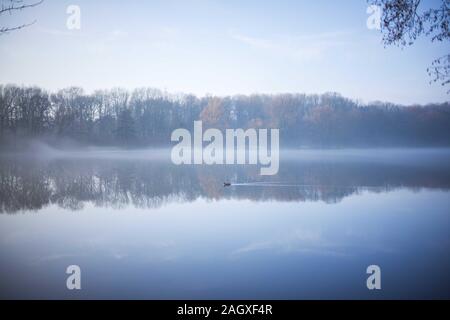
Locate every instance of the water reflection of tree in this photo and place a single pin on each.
(70, 184)
(23, 189)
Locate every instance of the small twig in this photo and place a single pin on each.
(18, 8)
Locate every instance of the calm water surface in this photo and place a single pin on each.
(140, 227)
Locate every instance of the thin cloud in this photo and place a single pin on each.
(254, 42)
(59, 32)
(299, 47)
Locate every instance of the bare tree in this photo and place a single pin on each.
(402, 23)
(12, 6)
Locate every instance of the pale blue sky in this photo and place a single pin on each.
(217, 47)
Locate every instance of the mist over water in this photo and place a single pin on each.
(147, 178)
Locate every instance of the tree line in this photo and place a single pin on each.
(147, 116)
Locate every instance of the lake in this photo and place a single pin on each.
(140, 227)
